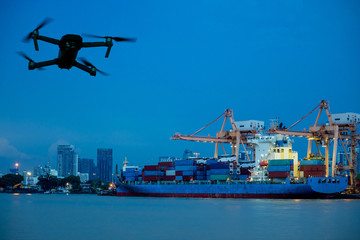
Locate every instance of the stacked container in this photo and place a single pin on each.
(132, 174)
(185, 170)
(312, 168)
(151, 173)
(220, 170)
(280, 168)
(168, 168)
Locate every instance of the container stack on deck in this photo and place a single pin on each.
(169, 170)
(191, 169)
(132, 174)
(184, 170)
(280, 168)
(152, 173)
(312, 168)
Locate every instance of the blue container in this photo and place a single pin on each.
(185, 168)
(184, 163)
(178, 178)
(211, 161)
(312, 162)
(188, 173)
(152, 173)
(171, 168)
(279, 168)
(219, 171)
(220, 166)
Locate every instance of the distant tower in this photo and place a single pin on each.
(67, 160)
(86, 165)
(105, 164)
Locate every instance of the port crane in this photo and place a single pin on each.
(235, 137)
(345, 134)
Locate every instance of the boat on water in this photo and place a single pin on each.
(275, 172)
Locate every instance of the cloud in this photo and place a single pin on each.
(9, 151)
(52, 151)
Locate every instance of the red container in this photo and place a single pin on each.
(316, 168)
(208, 167)
(314, 173)
(279, 174)
(168, 178)
(178, 173)
(187, 178)
(166, 164)
(151, 178)
(151, 167)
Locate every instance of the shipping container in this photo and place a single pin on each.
(220, 166)
(279, 168)
(279, 174)
(185, 168)
(312, 168)
(168, 178)
(185, 162)
(312, 162)
(170, 173)
(166, 164)
(152, 173)
(178, 173)
(211, 161)
(280, 162)
(151, 178)
(219, 171)
(178, 178)
(188, 173)
(151, 167)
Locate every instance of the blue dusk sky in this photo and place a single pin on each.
(192, 60)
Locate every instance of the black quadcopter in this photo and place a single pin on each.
(69, 45)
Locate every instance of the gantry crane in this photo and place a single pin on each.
(323, 134)
(234, 136)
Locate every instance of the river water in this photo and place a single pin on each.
(41, 216)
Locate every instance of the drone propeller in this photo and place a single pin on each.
(117, 39)
(29, 59)
(25, 56)
(45, 22)
(87, 63)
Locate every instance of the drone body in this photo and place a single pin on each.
(69, 46)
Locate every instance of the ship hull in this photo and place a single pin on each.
(238, 190)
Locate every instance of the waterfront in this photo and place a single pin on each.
(40, 216)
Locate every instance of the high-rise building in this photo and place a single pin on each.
(67, 160)
(86, 165)
(104, 164)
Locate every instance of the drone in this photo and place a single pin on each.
(69, 46)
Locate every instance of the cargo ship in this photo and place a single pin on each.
(274, 172)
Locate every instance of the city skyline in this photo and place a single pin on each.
(192, 60)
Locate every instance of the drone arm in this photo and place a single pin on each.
(33, 65)
(45, 39)
(90, 70)
(107, 43)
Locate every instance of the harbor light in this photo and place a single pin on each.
(28, 173)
